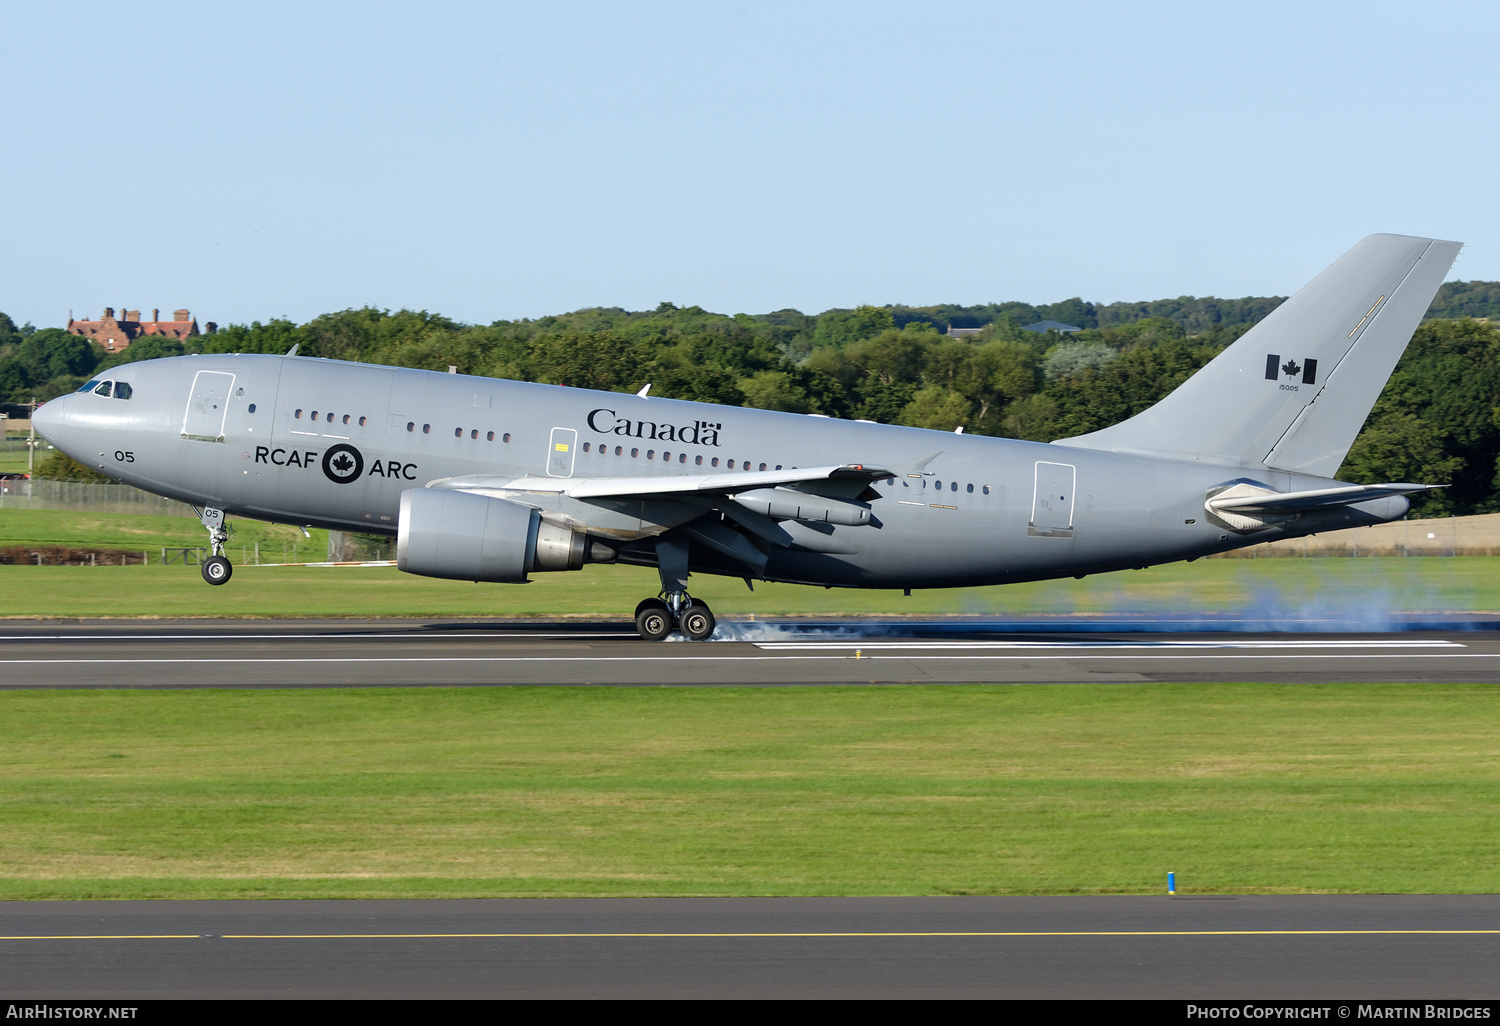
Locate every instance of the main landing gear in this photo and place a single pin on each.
(674, 608)
(655, 618)
(216, 568)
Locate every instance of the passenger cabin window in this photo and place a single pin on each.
(252, 407)
(411, 425)
(426, 429)
(362, 422)
(505, 437)
(297, 415)
(490, 437)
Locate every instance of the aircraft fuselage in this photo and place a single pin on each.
(332, 444)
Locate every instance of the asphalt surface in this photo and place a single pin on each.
(1340, 947)
(295, 654)
(1187, 947)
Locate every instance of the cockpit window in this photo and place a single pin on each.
(104, 387)
(123, 390)
(88, 386)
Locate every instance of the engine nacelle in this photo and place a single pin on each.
(466, 537)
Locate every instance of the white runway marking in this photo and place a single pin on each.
(831, 657)
(374, 636)
(927, 646)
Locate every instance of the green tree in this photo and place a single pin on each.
(841, 327)
(775, 390)
(937, 408)
(1403, 447)
(53, 352)
(56, 466)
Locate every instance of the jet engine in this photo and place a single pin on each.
(468, 537)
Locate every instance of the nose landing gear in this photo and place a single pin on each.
(216, 568)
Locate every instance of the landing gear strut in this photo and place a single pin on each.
(216, 568)
(674, 608)
(657, 617)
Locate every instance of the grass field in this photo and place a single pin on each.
(636, 791)
(151, 533)
(639, 791)
(1366, 588)
(13, 449)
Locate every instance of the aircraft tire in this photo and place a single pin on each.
(217, 570)
(654, 622)
(698, 622)
(650, 603)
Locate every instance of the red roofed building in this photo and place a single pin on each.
(115, 334)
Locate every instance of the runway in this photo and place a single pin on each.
(1344, 947)
(1369, 947)
(416, 653)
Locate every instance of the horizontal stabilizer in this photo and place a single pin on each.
(1285, 503)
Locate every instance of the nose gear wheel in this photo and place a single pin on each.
(217, 570)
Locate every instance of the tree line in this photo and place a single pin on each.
(1437, 421)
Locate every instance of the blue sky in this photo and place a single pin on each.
(492, 160)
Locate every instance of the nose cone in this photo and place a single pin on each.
(57, 423)
(49, 418)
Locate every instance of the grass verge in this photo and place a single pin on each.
(1246, 788)
(279, 542)
(1272, 588)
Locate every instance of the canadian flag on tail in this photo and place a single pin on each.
(1275, 369)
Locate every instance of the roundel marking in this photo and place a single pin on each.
(343, 464)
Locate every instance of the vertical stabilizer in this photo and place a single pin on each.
(1294, 391)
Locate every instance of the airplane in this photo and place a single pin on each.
(481, 479)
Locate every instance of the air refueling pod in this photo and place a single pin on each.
(466, 537)
(791, 504)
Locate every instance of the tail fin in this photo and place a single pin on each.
(1295, 389)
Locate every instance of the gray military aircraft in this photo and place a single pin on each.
(488, 480)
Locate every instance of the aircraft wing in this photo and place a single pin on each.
(846, 475)
(1299, 502)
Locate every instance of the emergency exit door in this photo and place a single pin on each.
(560, 452)
(1052, 501)
(208, 402)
